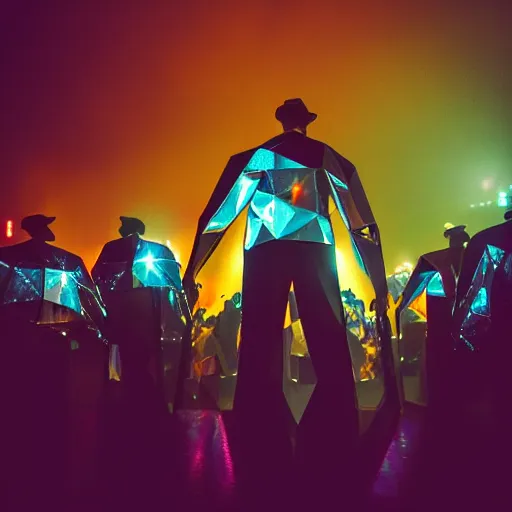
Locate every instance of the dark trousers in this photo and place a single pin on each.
(269, 270)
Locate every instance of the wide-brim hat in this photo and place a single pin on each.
(36, 222)
(294, 110)
(455, 230)
(133, 224)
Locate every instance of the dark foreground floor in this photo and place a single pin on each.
(198, 460)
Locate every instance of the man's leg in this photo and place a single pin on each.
(267, 281)
(328, 431)
(264, 450)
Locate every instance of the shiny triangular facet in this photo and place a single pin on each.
(299, 379)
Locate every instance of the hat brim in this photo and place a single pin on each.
(49, 220)
(306, 117)
(455, 229)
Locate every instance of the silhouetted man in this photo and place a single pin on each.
(51, 273)
(146, 326)
(45, 292)
(287, 182)
(436, 274)
(132, 262)
(456, 235)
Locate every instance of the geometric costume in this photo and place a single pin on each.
(425, 344)
(52, 364)
(140, 284)
(481, 324)
(292, 354)
(484, 276)
(51, 285)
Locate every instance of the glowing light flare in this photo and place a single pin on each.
(487, 184)
(504, 199)
(296, 191)
(9, 229)
(405, 267)
(149, 261)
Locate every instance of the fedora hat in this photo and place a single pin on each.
(133, 225)
(294, 111)
(453, 230)
(34, 223)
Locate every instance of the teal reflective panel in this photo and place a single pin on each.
(272, 218)
(61, 287)
(496, 254)
(435, 286)
(480, 305)
(337, 182)
(476, 306)
(262, 160)
(419, 282)
(26, 284)
(234, 203)
(326, 230)
(333, 183)
(265, 160)
(154, 266)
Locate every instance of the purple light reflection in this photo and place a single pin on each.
(208, 446)
(222, 451)
(393, 467)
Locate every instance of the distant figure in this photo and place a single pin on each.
(51, 363)
(132, 262)
(287, 183)
(140, 283)
(35, 270)
(483, 277)
(456, 235)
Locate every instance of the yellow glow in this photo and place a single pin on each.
(404, 267)
(149, 261)
(176, 256)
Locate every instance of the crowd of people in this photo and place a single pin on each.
(136, 295)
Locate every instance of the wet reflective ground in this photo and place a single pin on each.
(200, 460)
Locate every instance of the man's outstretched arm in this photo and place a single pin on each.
(354, 207)
(231, 195)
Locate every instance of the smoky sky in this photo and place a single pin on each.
(133, 108)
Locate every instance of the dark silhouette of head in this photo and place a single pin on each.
(37, 227)
(294, 115)
(508, 214)
(456, 235)
(131, 226)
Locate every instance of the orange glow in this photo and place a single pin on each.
(141, 120)
(367, 371)
(9, 229)
(296, 190)
(419, 306)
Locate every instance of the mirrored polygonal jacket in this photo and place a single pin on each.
(484, 290)
(286, 184)
(35, 271)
